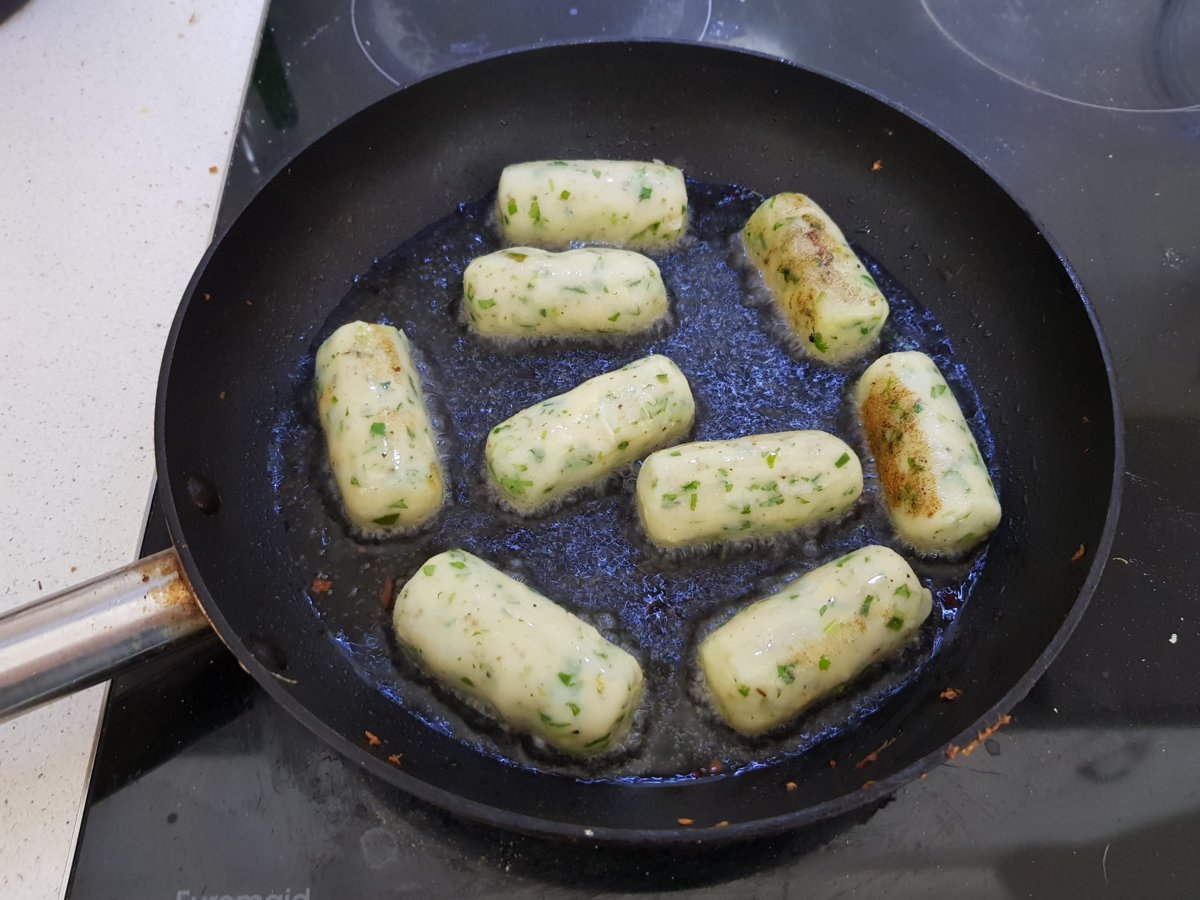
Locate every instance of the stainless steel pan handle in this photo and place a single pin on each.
(86, 634)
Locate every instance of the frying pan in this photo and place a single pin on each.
(934, 218)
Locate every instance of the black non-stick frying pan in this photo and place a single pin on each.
(931, 216)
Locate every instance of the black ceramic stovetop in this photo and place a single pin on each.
(1088, 111)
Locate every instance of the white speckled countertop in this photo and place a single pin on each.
(114, 116)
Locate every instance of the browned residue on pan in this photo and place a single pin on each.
(889, 416)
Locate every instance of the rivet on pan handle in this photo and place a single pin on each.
(86, 634)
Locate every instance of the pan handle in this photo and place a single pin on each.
(86, 634)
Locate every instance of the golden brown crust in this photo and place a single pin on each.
(799, 264)
(902, 456)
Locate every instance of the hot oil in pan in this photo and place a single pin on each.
(589, 555)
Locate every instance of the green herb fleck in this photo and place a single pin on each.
(842, 460)
(467, 681)
(866, 604)
(512, 206)
(354, 481)
(690, 486)
(823, 664)
(614, 317)
(535, 211)
(785, 674)
(378, 428)
(903, 591)
(546, 720)
(771, 457)
(692, 502)
(538, 453)
(663, 377)
(514, 486)
(567, 678)
(937, 390)
(458, 565)
(644, 193)
(743, 689)
(565, 195)
(824, 609)
(429, 570)
(622, 445)
(595, 173)
(389, 519)
(895, 623)
(598, 742)
(398, 504)
(574, 708)
(819, 342)
(486, 304)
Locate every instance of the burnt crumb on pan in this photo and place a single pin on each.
(790, 786)
(212, 170)
(950, 694)
(877, 165)
(868, 783)
(833, 764)
(221, 396)
(322, 586)
(724, 823)
(372, 739)
(395, 758)
(954, 750)
(874, 754)
(1078, 554)
(685, 821)
(387, 594)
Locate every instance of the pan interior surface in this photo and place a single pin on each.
(590, 554)
(930, 216)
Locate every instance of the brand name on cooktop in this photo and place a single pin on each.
(286, 894)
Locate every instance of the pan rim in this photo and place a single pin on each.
(495, 816)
